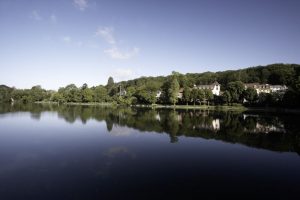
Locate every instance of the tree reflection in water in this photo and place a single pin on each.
(276, 132)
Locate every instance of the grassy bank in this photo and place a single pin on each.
(198, 107)
(79, 104)
(237, 107)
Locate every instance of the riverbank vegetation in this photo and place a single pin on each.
(145, 90)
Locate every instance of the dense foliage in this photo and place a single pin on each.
(144, 90)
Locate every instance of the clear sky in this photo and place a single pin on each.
(57, 42)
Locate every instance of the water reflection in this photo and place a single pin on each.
(257, 124)
(82, 152)
(269, 131)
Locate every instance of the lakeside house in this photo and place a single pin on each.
(180, 93)
(278, 88)
(122, 92)
(266, 88)
(214, 87)
(158, 94)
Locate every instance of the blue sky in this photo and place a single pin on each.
(58, 42)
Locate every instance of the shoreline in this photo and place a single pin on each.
(240, 108)
(197, 107)
(74, 103)
(188, 107)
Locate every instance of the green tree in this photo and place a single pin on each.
(200, 95)
(110, 83)
(194, 95)
(186, 94)
(264, 99)
(281, 74)
(100, 94)
(71, 93)
(86, 94)
(57, 97)
(208, 95)
(37, 93)
(226, 97)
(250, 95)
(147, 93)
(5, 93)
(265, 73)
(152, 88)
(291, 99)
(236, 89)
(173, 90)
(170, 90)
(130, 91)
(297, 85)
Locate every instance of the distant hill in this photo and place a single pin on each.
(282, 74)
(4, 87)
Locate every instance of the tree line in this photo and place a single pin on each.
(144, 90)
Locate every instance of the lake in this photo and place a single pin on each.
(89, 152)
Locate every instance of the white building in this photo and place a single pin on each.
(214, 87)
(266, 88)
(180, 93)
(158, 94)
(278, 88)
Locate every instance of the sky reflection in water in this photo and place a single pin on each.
(76, 152)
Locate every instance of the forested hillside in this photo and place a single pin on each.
(144, 90)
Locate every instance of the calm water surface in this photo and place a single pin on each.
(80, 152)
